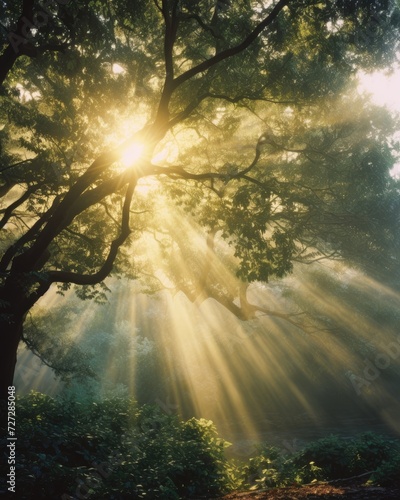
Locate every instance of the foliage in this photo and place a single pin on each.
(331, 454)
(138, 451)
(371, 451)
(259, 151)
(60, 352)
(115, 448)
(327, 459)
(388, 473)
(287, 91)
(268, 469)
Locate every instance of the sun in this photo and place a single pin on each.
(132, 154)
(130, 157)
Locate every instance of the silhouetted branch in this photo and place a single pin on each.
(237, 49)
(105, 270)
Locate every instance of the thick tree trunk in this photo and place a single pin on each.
(15, 302)
(10, 336)
(7, 60)
(11, 332)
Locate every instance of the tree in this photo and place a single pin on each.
(112, 78)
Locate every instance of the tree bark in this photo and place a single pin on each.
(11, 332)
(18, 293)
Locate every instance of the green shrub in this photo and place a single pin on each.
(116, 449)
(326, 459)
(332, 455)
(268, 469)
(370, 451)
(388, 473)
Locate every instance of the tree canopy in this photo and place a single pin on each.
(197, 146)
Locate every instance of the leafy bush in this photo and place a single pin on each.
(332, 455)
(115, 449)
(388, 473)
(340, 458)
(370, 451)
(268, 469)
(326, 459)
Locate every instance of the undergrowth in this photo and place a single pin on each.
(116, 449)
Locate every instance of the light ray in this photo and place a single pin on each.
(262, 379)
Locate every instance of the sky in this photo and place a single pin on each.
(385, 91)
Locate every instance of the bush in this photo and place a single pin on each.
(370, 451)
(268, 469)
(332, 455)
(326, 459)
(115, 449)
(388, 473)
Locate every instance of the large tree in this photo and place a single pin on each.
(239, 111)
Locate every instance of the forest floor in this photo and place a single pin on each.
(319, 492)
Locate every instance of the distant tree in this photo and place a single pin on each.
(239, 111)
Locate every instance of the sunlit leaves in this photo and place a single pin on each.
(322, 159)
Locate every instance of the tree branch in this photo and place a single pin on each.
(8, 212)
(186, 112)
(28, 236)
(243, 97)
(9, 56)
(105, 270)
(182, 173)
(171, 28)
(76, 200)
(17, 164)
(171, 25)
(201, 23)
(233, 51)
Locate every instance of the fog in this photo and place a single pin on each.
(333, 369)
